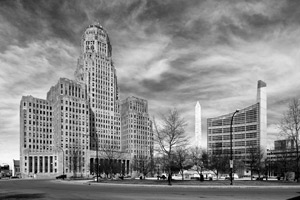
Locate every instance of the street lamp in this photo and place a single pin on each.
(231, 160)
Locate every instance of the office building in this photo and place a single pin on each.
(249, 130)
(282, 158)
(36, 137)
(70, 126)
(137, 133)
(71, 130)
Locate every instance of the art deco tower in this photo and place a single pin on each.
(95, 68)
(198, 133)
(63, 133)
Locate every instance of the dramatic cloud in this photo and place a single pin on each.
(172, 53)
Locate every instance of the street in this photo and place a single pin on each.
(53, 189)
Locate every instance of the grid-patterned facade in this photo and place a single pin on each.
(70, 125)
(248, 130)
(137, 133)
(80, 118)
(245, 132)
(37, 137)
(95, 68)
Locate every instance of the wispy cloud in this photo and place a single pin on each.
(172, 53)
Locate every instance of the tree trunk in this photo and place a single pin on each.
(251, 173)
(169, 170)
(169, 178)
(297, 160)
(170, 175)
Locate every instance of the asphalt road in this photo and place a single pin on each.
(52, 189)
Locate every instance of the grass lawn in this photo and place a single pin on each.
(204, 183)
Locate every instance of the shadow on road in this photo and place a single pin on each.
(22, 196)
(295, 198)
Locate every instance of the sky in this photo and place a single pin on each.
(172, 53)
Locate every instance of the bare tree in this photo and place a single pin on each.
(181, 159)
(152, 165)
(160, 164)
(145, 165)
(169, 135)
(111, 156)
(255, 159)
(218, 163)
(76, 161)
(196, 156)
(290, 126)
(283, 163)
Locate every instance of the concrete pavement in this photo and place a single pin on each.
(90, 182)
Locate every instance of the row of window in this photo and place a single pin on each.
(39, 147)
(41, 112)
(234, 136)
(41, 106)
(74, 104)
(234, 129)
(44, 130)
(248, 143)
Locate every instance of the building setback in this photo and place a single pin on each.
(137, 133)
(249, 129)
(70, 131)
(70, 125)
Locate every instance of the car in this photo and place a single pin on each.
(95, 178)
(176, 177)
(235, 176)
(63, 176)
(163, 176)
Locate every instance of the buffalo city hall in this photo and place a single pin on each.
(82, 124)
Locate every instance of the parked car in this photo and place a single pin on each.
(63, 176)
(95, 178)
(163, 176)
(176, 177)
(235, 176)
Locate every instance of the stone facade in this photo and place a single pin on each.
(72, 131)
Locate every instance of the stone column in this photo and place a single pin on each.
(38, 164)
(33, 164)
(49, 164)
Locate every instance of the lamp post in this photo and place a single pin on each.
(231, 160)
(267, 166)
(97, 160)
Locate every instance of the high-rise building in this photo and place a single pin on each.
(95, 68)
(68, 132)
(37, 153)
(137, 133)
(198, 131)
(70, 125)
(249, 130)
